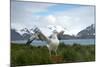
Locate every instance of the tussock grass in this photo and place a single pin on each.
(32, 55)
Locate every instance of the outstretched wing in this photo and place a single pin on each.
(42, 37)
(33, 37)
(37, 35)
(59, 35)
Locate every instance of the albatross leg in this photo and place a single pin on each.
(50, 53)
(56, 52)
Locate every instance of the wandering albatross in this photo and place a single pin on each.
(52, 41)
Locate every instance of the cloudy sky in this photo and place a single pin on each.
(67, 17)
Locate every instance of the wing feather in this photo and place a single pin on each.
(42, 37)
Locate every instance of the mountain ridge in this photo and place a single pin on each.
(25, 33)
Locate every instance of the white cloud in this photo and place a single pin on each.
(25, 11)
(73, 20)
(51, 19)
(76, 19)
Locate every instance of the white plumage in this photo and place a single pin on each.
(52, 41)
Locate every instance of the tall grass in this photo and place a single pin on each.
(32, 55)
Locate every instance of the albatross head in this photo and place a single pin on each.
(55, 32)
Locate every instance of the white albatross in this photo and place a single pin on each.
(52, 41)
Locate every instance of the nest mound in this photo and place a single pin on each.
(56, 59)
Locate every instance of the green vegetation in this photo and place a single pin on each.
(32, 55)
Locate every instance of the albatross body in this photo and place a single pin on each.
(53, 43)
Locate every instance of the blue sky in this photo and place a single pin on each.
(57, 8)
(67, 17)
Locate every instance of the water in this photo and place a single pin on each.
(70, 42)
(79, 41)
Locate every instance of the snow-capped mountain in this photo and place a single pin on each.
(15, 35)
(88, 32)
(23, 34)
(24, 31)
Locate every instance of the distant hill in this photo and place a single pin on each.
(15, 35)
(88, 32)
(22, 34)
(66, 36)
